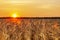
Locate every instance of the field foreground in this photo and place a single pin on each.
(29, 29)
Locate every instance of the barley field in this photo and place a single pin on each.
(29, 29)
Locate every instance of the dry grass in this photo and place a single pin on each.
(30, 29)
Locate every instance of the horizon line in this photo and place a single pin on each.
(30, 17)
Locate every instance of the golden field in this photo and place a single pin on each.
(29, 29)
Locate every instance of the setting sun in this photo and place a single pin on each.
(14, 15)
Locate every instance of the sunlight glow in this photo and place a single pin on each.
(14, 15)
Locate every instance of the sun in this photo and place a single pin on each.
(14, 15)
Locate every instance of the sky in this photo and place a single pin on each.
(30, 8)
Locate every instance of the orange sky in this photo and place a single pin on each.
(30, 8)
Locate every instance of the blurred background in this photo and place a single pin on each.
(30, 8)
